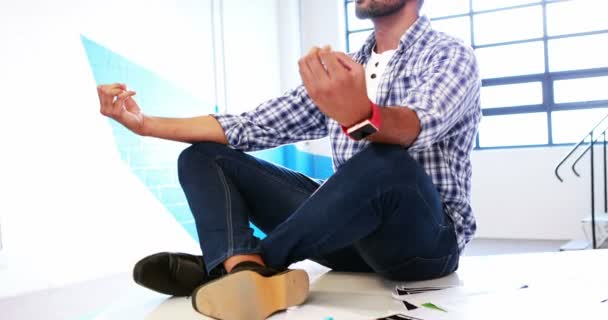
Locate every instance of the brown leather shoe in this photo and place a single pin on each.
(251, 292)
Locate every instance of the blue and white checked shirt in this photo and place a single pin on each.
(433, 74)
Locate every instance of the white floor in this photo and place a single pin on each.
(567, 285)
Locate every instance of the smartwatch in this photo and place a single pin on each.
(366, 127)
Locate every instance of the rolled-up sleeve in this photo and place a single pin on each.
(445, 92)
(290, 118)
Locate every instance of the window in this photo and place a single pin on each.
(544, 64)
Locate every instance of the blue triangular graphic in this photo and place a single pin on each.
(153, 162)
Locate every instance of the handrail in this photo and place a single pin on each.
(575, 148)
(603, 133)
(594, 138)
(565, 158)
(579, 159)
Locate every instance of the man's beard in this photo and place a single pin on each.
(377, 10)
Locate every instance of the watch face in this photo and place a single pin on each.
(363, 132)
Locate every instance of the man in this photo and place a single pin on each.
(399, 201)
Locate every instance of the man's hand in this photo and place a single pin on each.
(117, 103)
(336, 85)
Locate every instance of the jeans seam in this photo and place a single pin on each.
(429, 209)
(228, 210)
(315, 245)
(269, 175)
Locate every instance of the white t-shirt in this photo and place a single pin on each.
(374, 70)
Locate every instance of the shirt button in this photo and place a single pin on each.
(373, 76)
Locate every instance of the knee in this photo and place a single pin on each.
(384, 159)
(391, 152)
(198, 154)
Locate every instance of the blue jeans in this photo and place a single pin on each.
(380, 212)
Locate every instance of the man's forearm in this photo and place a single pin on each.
(399, 126)
(196, 129)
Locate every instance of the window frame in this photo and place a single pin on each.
(547, 78)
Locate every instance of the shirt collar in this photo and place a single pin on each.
(420, 27)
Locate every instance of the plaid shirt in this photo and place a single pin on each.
(433, 74)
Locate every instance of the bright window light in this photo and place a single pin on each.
(578, 53)
(456, 27)
(508, 25)
(443, 8)
(357, 39)
(510, 95)
(576, 16)
(580, 90)
(513, 130)
(479, 5)
(511, 60)
(571, 126)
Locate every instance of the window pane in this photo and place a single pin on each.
(576, 16)
(457, 27)
(571, 126)
(513, 130)
(479, 5)
(357, 39)
(578, 53)
(355, 23)
(442, 8)
(585, 89)
(510, 95)
(512, 60)
(509, 25)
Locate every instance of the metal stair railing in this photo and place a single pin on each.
(593, 138)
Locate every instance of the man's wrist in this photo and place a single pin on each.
(362, 116)
(366, 127)
(144, 129)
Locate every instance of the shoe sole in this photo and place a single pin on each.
(246, 295)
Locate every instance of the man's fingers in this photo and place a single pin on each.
(312, 51)
(120, 99)
(346, 61)
(306, 75)
(131, 105)
(113, 91)
(334, 66)
(118, 104)
(112, 97)
(125, 95)
(107, 97)
(314, 64)
(113, 86)
(317, 68)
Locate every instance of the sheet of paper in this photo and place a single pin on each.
(575, 301)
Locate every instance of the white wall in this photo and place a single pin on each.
(290, 43)
(251, 38)
(322, 24)
(515, 194)
(69, 204)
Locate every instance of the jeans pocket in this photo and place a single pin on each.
(418, 268)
